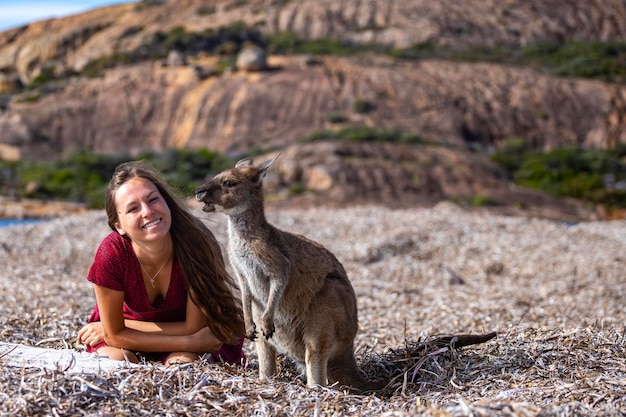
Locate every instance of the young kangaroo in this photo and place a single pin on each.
(293, 289)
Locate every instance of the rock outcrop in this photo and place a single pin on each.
(252, 58)
(187, 102)
(401, 176)
(149, 106)
(71, 42)
(142, 105)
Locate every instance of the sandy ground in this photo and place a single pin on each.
(416, 273)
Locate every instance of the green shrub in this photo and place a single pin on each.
(422, 50)
(284, 43)
(589, 175)
(95, 67)
(482, 201)
(319, 136)
(336, 118)
(31, 97)
(362, 106)
(365, 134)
(144, 4)
(94, 197)
(131, 31)
(226, 39)
(288, 43)
(177, 38)
(71, 178)
(601, 60)
(46, 75)
(297, 190)
(185, 169)
(205, 10)
(83, 176)
(236, 3)
(480, 53)
(510, 157)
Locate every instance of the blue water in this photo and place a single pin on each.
(15, 222)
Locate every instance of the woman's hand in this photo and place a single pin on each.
(201, 341)
(91, 334)
(205, 341)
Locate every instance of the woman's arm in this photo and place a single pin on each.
(194, 321)
(192, 335)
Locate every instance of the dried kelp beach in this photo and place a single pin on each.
(555, 293)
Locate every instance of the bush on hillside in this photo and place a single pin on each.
(600, 60)
(84, 176)
(598, 176)
(365, 134)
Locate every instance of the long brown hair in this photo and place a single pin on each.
(198, 252)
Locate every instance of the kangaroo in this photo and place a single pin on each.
(292, 288)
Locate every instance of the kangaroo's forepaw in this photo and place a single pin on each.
(268, 331)
(251, 333)
(267, 326)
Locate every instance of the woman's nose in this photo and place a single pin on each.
(146, 209)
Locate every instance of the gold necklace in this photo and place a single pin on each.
(153, 278)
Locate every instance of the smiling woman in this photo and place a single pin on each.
(23, 12)
(162, 291)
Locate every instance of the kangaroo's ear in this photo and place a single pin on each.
(264, 167)
(245, 162)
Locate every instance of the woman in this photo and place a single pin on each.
(161, 286)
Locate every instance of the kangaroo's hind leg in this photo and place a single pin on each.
(267, 358)
(316, 362)
(265, 350)
(318, 344)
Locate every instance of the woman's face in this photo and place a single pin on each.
(142, 213)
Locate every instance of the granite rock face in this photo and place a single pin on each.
(464, 105)
(185, 102)
(146, 106)
(72, 41)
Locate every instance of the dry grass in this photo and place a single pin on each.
(554, 293)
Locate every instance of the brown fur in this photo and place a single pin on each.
(293, 290)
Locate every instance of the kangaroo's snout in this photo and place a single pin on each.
(200, 193)
(203, 195)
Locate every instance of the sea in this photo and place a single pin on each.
(15, 222)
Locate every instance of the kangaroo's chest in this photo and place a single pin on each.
(252, 268)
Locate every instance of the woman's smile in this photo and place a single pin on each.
(152, 224)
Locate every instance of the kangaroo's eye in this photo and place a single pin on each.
(229, 183)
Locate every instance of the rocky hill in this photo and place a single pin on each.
(149, 97)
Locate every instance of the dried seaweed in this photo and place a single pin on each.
(556, 299)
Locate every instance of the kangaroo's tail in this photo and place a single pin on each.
(343, 370)
(460, 340)
(352, 376)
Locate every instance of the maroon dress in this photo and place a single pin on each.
(116, 267)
